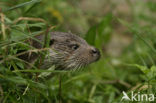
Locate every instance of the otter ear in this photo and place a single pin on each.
(51, 42)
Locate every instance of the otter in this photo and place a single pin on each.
(67, 51)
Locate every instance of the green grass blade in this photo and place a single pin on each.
(21, 5)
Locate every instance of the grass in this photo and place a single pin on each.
(126, 40)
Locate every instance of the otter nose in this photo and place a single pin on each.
(95, 51)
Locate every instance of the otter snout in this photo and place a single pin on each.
(95, 53)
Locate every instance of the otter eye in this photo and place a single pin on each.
(51, 42)
(74, 46)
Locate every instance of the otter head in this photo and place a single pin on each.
(70, 52)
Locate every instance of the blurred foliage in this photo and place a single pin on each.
(124, 31)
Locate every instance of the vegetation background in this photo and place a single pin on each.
(123, 30)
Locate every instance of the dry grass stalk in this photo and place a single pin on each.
(3, 25)
(29, 19)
